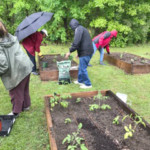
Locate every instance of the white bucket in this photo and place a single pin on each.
(122, 96)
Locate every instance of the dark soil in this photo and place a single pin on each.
(52, 61)
(98, 130)
(130, 58)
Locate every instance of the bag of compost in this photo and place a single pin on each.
(64, 74)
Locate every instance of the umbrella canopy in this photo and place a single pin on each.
(31, 24)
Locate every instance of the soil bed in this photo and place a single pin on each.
(50, 72)
(98, 131)
(129, 63)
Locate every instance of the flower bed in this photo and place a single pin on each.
(103, 123)
(130, 63)
(50, 72)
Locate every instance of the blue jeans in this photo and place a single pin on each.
(82, 70)
(32, 58)
(101, 54)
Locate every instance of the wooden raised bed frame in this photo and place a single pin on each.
(52, 75)
(52, 140)
(128, 67)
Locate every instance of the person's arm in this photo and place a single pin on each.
(3, 63)
(77, 39)
(38, 43)
(107, 49)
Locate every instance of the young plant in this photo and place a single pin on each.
(100, 97)
(67, 120)
(138, 120)
(70, 58)
(105, 106)
(93, 107)
(74, 141)
(64, 104)
(59, 100)
(129, 131)
(78, 100)
(121, 55)
(116, 120)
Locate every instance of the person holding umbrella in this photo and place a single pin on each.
(83, 44)
(32, 44)
(15, 69)
(102, 41)
(27, 31)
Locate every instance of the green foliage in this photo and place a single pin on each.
(78, 100)
(93, 107)
(129, 18)
(74, 141)
(105, 106)
(59, 100)
(129, 131)
(67, 120)
(116, 120)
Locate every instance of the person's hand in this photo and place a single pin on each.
(40, 55)
(67, 55)
(108, 53)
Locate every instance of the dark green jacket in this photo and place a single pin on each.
(15, 65)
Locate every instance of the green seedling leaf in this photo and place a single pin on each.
(126, 129)
(105, 106)
(80, 126)
(67, 120)
(83, 147)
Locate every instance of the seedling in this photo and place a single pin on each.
(116, 120)
(139, 120)
(59, 100)
(67, 120)
(105, 106)
(70, 58)
(121, 56)
(64, 104)
(93, 107)
(100, 97)
(74, 141)
(78, 100)
(129, 131)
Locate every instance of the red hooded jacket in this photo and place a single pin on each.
(32, 43)
(104, 38)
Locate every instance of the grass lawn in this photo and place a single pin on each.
(30, 129)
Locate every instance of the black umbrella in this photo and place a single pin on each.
(31, 24)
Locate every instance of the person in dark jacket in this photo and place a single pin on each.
(83, 44)
(15, 69)
(32, 44)
(102, 41)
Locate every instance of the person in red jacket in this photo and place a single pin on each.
(32, 44)
(102, 41)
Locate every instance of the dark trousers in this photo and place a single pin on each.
(20, 97)
(32, 58)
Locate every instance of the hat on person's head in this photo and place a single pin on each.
(44, 31)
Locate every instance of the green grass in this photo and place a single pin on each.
(30, 129)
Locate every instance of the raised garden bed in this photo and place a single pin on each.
(98, 130)
(130, 63)
(50, 72)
